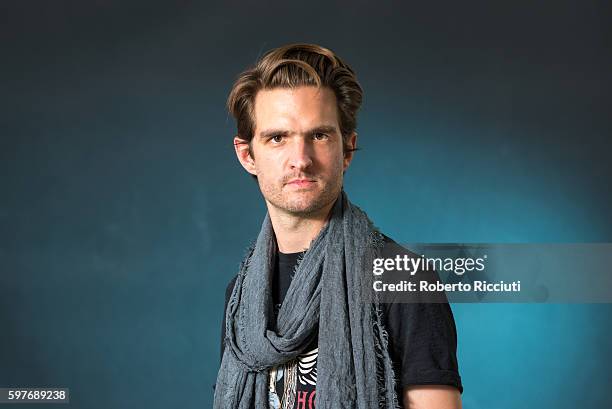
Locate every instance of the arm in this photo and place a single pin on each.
(431, 397)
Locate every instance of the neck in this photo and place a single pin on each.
(294, 233)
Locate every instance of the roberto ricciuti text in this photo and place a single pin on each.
(437, 286)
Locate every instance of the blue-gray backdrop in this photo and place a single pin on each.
(124, 213)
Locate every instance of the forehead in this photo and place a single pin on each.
(295, 107)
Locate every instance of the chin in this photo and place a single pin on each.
(307, 204)
(301, 207)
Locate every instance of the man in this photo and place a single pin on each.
(301, 328)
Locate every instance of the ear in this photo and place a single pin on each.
(243, 153)
(350, 145)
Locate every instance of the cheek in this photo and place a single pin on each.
(338, 163)
(267, 171)
(330, 157)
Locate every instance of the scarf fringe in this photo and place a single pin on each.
(384, 365)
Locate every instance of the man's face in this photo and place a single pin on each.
(297, 149)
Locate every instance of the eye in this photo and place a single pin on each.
(320, 136)
(276, 138)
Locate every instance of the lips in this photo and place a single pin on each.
(300, 182)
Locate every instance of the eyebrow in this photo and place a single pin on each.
(269, 133)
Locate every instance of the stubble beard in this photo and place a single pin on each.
(302, 203)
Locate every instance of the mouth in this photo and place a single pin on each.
(301, 182)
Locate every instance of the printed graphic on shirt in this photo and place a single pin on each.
(293, 384)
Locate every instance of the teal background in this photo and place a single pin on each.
(124, 212)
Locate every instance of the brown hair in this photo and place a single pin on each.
(291, 66)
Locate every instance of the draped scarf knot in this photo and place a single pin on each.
(330, 295)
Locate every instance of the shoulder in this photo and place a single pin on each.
(230, 288)
(391, 248)
(402, 265)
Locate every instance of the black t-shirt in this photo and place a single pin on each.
(422, 342)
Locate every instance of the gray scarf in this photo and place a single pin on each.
(331, 291)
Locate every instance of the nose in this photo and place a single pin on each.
(300, 155)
